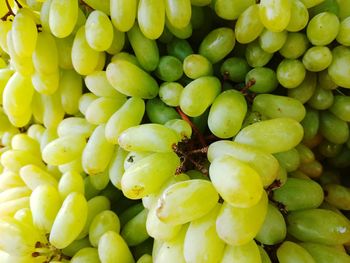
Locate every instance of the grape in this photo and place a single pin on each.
(256, 56)
(34, 176)
(323, 28)
(322, 99)
(275, 14)
(340, 107)
(299, 16)
(235, 69)
(63, 16)
(337, 195)
(134, 231)
(178, 12)
(158, 112)
(118, 42)
(317, 58)
(290, 159)
(306, 89)
(170, 92)
(169, 68)
(231, 10)
(151, 18)
(70, 182)
(98, 84)
(87, 255)
(179, 48)
(26, 143)
(295, 45)
(328, 122)
(306, 155)
(64, 49)
(243, 253)
(292, 252)
(338, 70)
(15, 159)
(290, 73)
(70, 88)
(272, 41)
(14, 193)
(123, 14)
(322, 253)
(195, 66)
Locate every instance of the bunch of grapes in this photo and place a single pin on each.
(195, 131)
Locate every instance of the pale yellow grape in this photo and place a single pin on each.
(97, 152)
(69, 221)
(24, 216)
(5, 75)
(275, 14)
(63, 16)
(100, 180)
(181, 202)
(64, 149)
(128, 115)
(131, 80)
(80, 21)
(112, 248)
(248, 26)
(230, 10)
(117, 42)
(9, 180)
(299, 16)
(101, 61)
(98, 84)
(9, 208)
(275, 135)
(105, 221)
(238, 226)
(134, 157)
(95, 205)
(98, 31)
(53, 112)
(75, 166)
(202, 243)
(123, 14)
(145, 258)
(84, 58)
(181, 127)
(70, 182)
(5, 27)
(151, 17)
(236, 182)
(101, 109)
(85, 100)
(247, 253)
(100, 5)
(46, 83)
(45, 56)
(178, 12)
(45, 202)
(157, 244)
(64, 49)
(38, 109)
(86, 255)
(48, 136)
(148, 137)
(14, 193)
(34, 176)
(70, 89)
(75, 125)
(116, 167)
(23, 142)
(343, 36)
(14, 160)
(148, 174)
(24, 33)
(44, 15)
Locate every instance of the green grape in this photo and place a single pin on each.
(332, 128)
(134, 231)
(147, 175)
(298, 194)
(323, 28)
(116, 167)
(238, 226)
(145, 259)
(235, 69)
(319, 226)
(127, 57)
(112, 248)
(5, 75)
(103, 6)
(323, 253)
(5, 27)
(338, 70)
(64, 49)
(341, 108)
(169, 69)
(45, 55)
(170, 251)
(179, 48)
(264, 256)
(14, 192)
(9, 179)
(118, 42)
(272, 41)
(317, 58)
(231, 10)
(324, 80)
(195, 66)
(311, 3)
(36, 131)
(265, 80)
(46, 83)
(236, 182)
(343, 34)
(159, 112)
(98, 84)
(306, 89)
(221, 122)
(295, 45)
(290, 159)
(24, 33)
(45, 203)
(130, 80)
(299, 16)
(34, 176)
(14, 160)
(98, 31)
(310, 123)
(9, 208)
(290, 73)
(97, 152)
(63, 16)
(342, 159)
(273, 230)
(265, 164)
(285, 133)
(337, 195)
(86, 255)
(70, 182)
(248, 26)
(66, 229)
(170, 93)
(146, 50)
(202, 243)
(306, 155)
(329, 149)
(100, 180)
(84, 58)
(181, 33)
(275, 14)
(64, 149)
(178, 12)
(75, 125)
(48, 136)
(217, 44)
(312, 169)
(247, 253)
(322, 99)
(24, 142)
(123, 14)
(134, 157)
(151, 17)
(290, 252)
(256, 56)
(181, 127)
(180, 204)
(70, 88)
(198, 95)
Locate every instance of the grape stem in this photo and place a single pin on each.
(18, 4)
(87, 7)
(9, 13)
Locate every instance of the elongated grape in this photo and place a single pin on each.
(243, 253)
(134, 232)
(14, 193)
(337, 195)
(64, 49)
(66, 228)
(343, 34)
(14, 160)
(306, 89)
(10, 208)
(62, 17)
(151, 18)
(333, 129)
(238, 226)
(98, 84)
(323, 253)
(34, 176)
(123, 14)
(116, 167)
(87, 255)
(292, 252)
(178, 12)
(231, 10)
(256, 56)
(70, 182)
(319, 226)
(299, 16)
(275, 14)
(147, 175)
(339, 68)
(24, 142)
(341, 108)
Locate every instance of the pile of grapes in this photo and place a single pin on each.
(172, 131)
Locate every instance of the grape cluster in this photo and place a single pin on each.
(174, 131)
